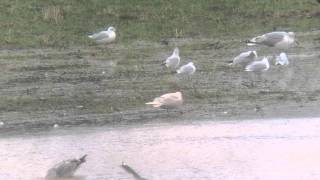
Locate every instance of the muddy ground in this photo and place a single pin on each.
(99, 85)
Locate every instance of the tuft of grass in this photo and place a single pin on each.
(53, 13)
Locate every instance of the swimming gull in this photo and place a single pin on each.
(65, 168)
(167, 101)
(187, 69)
(245, 58)
(278, 39)
(105, 36)
(258, 66)
(282, 59)
(173, 61)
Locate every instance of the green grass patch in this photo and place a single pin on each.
(58, 23)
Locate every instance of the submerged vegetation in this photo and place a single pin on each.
(59, 23)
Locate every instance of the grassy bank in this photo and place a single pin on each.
(58, 23)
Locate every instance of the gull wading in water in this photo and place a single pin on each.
(167, 101)
(65, 168)
(258, 66)
(279, 40)
(282, 59)
(104, 37)
(245, 58)
(187, 69)
(173, 61)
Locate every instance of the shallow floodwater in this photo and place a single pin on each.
(253, 149)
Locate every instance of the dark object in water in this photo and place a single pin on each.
(131, 171)
(65, 168)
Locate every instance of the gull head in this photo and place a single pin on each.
(254, 54)
(291, 34)
(112, 29)
(265, 59)
(176, 51)
(83, 158)
(179, 94)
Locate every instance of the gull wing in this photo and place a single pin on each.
(270, 39)
(256, 66)
(99, 36)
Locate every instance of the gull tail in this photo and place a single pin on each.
(154, 104)
(251, 42)
(230, 63)
(255, 41)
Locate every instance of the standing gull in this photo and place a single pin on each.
(65, 168)
(105, 36)
(258, 66)
(245, 58)
(172, 62)
(187, 69)
(279, 40)
(282, 59)
(167, 101)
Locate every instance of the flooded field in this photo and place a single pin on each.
(251, 149)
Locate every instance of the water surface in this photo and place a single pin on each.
(252, 149)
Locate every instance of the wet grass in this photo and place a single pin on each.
(62, 24)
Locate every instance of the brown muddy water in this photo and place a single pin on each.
(278, 149)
